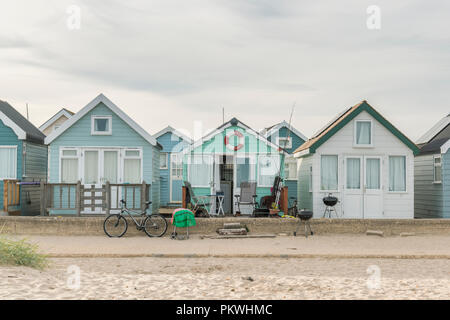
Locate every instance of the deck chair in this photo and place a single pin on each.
(199, 203)
(248, 195)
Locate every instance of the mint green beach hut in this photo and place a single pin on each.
(226, 157)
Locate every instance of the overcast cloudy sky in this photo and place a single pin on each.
(174, 62)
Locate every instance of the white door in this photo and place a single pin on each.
(353, 188)
(91, 177)
(109, 163)
(176, 177)
(373, 189)
(99, 167)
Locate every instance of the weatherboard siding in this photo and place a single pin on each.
(428, 200)
(9, 138)
(446, 184)
(171, 144)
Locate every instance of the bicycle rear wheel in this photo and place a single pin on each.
(155, 225)
(115, 226)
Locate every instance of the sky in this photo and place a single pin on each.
(179, 62)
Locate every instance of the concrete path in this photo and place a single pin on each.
(332, 246)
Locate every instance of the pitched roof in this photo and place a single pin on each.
(345, 117)
(23, 128)
(267, 132)
(59, 114)
(174, 131)
(233, 122)
(436, 137)
(101, 98)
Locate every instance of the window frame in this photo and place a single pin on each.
(139, 157)
(355, 130)
(310, 178)
(63, 157)
(389, 174)
(258, 171)
(192, 160)
(437, 156)
(101, 133)
(166, 164)
(288, 146)
(288, 163)
(15, 163)
(320, 176)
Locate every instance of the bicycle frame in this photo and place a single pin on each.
(139, 225)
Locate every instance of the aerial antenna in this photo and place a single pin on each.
(290, 120)
(28, 117)
(223, 115)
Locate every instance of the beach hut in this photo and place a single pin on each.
(56, 121)
(229, 155)
(432, 172)
(363, 161)
(288, 138)
(101, 144)
(173, 143)
(23, 163)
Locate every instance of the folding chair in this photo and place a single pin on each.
(248, 195)
(200, 203)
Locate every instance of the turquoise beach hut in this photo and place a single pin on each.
(173, 143)
(226, 157)
(23, 163)
(101, 144)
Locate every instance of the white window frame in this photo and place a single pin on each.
(179, 166)
(389, 173)
(101, 133)
(210, 174)
(357, 145)
(289, 162)
(125, 157)
(258, 172)
(438, 156)
(338, 173)
(166, 165)
(15, 163)
(77, 157)
(289, 144)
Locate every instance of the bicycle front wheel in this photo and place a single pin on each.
(155, 225)
(115, 226)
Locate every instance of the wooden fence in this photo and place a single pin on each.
(81, 199)
(11, 194)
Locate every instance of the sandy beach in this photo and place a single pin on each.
(320, 267)
(229, 278)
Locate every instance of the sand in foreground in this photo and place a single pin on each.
(230, 278)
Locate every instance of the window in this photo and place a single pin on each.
(397, 173)
(245, 170)
(69, 166)
(437, 171)
(290, 170)
(8, 161)
(132, 167)
(101, 125)
(363, 133)
(163, 160)
(353, 173)
(329, 172)
(268, 167)
(284, 142)
(176, 166)
(200, 170)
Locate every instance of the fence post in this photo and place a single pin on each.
(78, 199)
(43, 198)
(143, 195)
(108, 197)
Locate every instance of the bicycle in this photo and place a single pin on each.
(116, 225)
